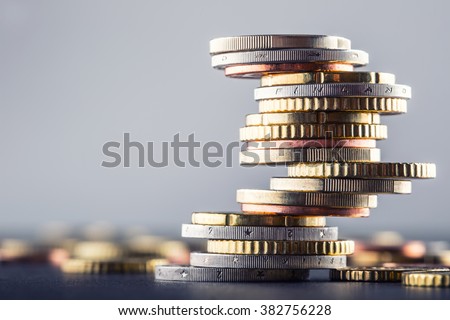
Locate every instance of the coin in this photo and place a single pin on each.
(341, 185)
(283, 156)
(259, 233)
(256, 71)
(348, 104)
(98, 250)
(199, 274)
(276, 41)
(326, 77)
(334, 90)
(338, 247)
(371, 274)
(95, 266)
(267, 261)
(312, 143)
(304, 211)
(239, 219)
(427, 279)
(307, 199)
(355, 57)
(363, 170)
(313, 131)
(267, 119)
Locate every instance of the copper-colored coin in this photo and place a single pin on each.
(258, 70)
(305, 211)
(315, 143)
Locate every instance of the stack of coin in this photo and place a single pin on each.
(321, 119)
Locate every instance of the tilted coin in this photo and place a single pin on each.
(259, 233)
(326, 77)
(427, 279)
(199, 274)
(283, 156)
(256, 71)
(371, 274)
(241, 219)
(310, 143)
(348, 104)
(307, 199)
(112, 266)
(363, 170)
(267, 119)
(341, 185)
(338, 247)
(209, 260)
(276, 41)
(314, 131)
(334, 90)
(304, 211)
(354, 57)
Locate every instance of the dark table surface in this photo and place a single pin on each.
(45, 282)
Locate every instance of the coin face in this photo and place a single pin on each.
(201, 274)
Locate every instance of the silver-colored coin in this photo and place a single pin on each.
(341, 185)
(306, 199)
(334, 90)
(277, 41)
(259, 233)
(267, 261)
(199, 274)
(282, 156)
(355, 57)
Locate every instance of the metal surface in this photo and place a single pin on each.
(199, 274)
(307, 199)
(354, 57)
(304, 211)
(337, 247)
(259, 233)
(267, 261)
(314, 131)
(335, 90)
(341, 185)
(276, 41)
(283, 156)
(363, 170)
(385, 106)
(266, 119)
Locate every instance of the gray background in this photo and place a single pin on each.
(76, 74)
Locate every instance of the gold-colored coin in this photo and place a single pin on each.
(427, 279)
(307, 199)
(267, 119)
(363, 170)
(97, 250)
(326, 77)
(240, 219)
(113, 266)
(371, 274)
(314, 131)
(337, 247)
(352, 104)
